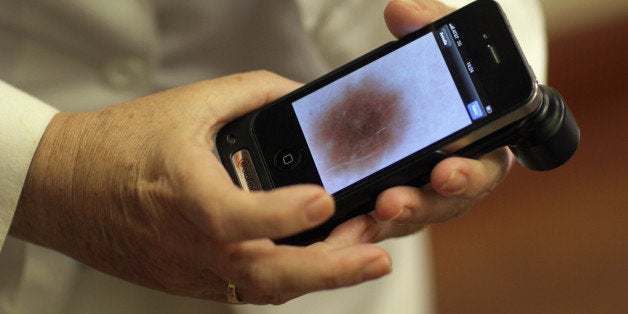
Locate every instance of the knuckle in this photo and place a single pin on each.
(213, 224)
(463, 207)
(501, 161)
(222, 218)
(330, 278)
(449, 209)
(255, 278)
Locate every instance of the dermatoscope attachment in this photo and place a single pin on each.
(549, 136)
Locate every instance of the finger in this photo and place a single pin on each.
(470, 178)
(225, 212)
(285, 272)
(239, 215)
(231, 96)
(360, 229)
(418, 206)
(405, 16)
(456, 183)
(391, 229)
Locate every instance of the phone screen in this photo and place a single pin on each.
(386, 118)
(390, 108)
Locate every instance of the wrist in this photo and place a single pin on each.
(48, 182)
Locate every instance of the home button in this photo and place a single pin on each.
(287, 158)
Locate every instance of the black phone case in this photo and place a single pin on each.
(548, 116)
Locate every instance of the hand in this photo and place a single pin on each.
(135, 191)
(455, 182)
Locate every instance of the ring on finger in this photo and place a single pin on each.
(232, 295)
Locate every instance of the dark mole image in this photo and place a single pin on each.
(358, 129)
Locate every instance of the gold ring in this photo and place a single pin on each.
(232, 295)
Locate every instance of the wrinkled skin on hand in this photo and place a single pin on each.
(135, 191)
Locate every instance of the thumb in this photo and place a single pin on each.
(405, 16)
(237, 94)
(278, 213)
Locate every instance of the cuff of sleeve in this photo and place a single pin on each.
(23, 120)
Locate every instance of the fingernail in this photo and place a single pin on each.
(377, 268)
(319, 208)
(456, 184)
(403, 214)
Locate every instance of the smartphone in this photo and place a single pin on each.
(386, 118)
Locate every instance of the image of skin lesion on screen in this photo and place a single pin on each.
(380, 114)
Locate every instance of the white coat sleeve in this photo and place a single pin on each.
(23, 120)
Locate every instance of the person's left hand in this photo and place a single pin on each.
(455, 182)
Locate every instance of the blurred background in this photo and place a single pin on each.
(556, 242)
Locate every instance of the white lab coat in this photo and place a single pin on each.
(78, 55)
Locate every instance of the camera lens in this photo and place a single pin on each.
(550, 136)
(231, 139)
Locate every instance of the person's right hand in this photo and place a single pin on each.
(455, 182)
(135, 191)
